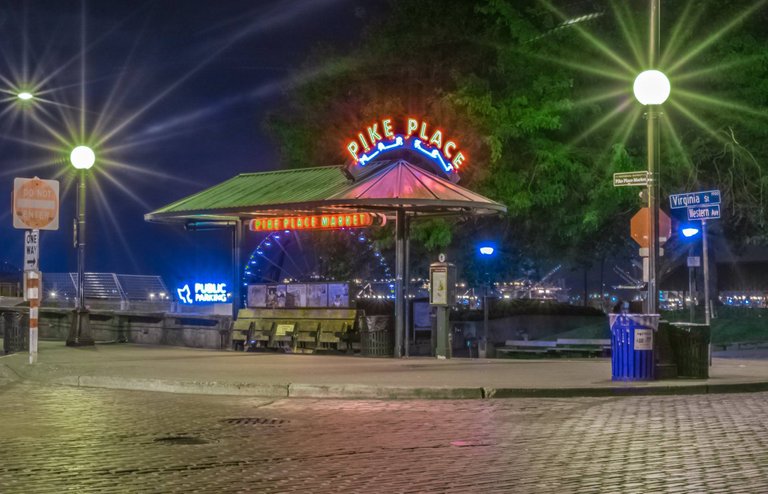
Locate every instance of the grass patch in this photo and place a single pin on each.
(732, 324)
(594, 331)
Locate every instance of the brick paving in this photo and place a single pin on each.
(68, 439)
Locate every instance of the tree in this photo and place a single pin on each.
(543, 101)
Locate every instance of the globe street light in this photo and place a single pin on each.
(652, 89)
(25, 96)
(82, 158)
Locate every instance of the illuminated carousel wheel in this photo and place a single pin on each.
(341, 256)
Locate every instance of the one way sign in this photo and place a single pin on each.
(31, 250)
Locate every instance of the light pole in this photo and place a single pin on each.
(689, 232)
(652, 89)
(486, 252)
(82, 158)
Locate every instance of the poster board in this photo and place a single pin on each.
(257, 296)
(338, 295)
(317, 295)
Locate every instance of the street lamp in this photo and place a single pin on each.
(82, 158)
(25, 96)
(486, 253)
(652, 89)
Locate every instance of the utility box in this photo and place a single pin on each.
(442, 295)
(442, 284)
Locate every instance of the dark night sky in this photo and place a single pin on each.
(209, 72)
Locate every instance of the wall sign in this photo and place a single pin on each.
(202, 293)
(415, 134)
(315, 222)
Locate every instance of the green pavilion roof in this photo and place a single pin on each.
(262, 189)
(388, 186)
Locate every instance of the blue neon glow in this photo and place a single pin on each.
(397, 142)
(434, 154)
(401, 141)
(203, 293)
(487, 250)
(689, 231)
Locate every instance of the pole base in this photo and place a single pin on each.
(80, 331)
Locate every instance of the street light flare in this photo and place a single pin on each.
(25, 95)
(82, 157)
(651, 87)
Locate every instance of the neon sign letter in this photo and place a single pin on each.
(417, 135)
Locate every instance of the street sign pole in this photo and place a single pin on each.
(692, 303)
(33, 287)
(653, 161)
(34, 295)
(707, 314)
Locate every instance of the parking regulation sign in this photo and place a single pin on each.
(31, 250)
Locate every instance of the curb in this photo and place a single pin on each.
(362, 391)
(181, 387)
(52, 375)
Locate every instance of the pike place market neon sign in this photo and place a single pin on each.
(384, 135)
(316, 222)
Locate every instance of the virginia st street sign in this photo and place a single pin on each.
(692, 199)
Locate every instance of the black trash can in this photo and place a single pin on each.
(690, 346)
(376, 337)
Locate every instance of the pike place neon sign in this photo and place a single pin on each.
(383, 136)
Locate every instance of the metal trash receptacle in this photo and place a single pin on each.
(632, 346)
(690, 346)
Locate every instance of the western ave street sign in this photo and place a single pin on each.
(710, 212)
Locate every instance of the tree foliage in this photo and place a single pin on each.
(545, 111)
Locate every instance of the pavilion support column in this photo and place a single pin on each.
(407, 286)
(400, 229)
(237, 248)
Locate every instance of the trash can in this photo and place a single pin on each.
(690, 346)
(376, 336)
(632, 346)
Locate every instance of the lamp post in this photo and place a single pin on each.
(652, 89)
(689, 232)
(486, 252)
(82, 158)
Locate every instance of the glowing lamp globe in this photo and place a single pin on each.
(690, 232)
(651, 87)
(486, 250)
(82, 157)
(25, 95)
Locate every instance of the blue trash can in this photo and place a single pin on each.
(632, 346)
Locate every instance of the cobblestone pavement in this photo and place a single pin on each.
(63, 439)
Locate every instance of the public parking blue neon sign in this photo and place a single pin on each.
(203, 293)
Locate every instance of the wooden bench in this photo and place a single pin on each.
(298, 330)
(562, 347)
(590, 346)
(241, 333)
(526, 347)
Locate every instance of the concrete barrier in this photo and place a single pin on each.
(153, 328)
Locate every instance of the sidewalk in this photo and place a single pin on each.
(187, 370)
